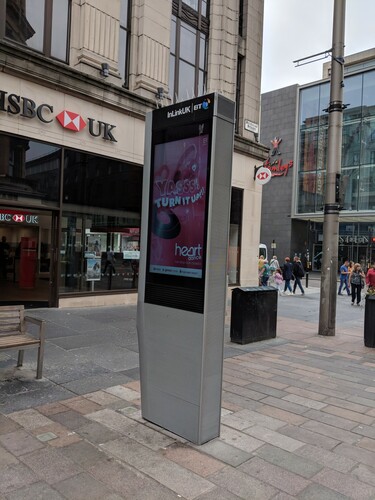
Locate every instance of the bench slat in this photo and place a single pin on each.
(13, 341)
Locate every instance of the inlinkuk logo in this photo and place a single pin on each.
(205, 104)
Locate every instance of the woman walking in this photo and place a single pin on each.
(356, 281)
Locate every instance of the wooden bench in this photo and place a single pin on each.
(13, 334)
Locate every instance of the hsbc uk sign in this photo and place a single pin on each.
(14, 216)
(19, 105)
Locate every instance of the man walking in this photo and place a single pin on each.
(344, 278)
(299, 273)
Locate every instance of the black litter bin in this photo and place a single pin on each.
(370, 321)
(253, 314)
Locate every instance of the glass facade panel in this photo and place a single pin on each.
(29, 169)
(186, 81)
(358, 146)
(349, 188)
(25, 22)
(352, 97)
(366, 192)
(351, 144)
(368, 101)
(188, 43)
(59, 41)
(309, 107)
(100, 225)
(189, 38)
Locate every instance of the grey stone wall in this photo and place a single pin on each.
(278, 119)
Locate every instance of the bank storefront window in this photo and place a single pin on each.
(100, 224)
(29, 169)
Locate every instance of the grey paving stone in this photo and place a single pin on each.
(83, 487)
(6, 458)
(225, 452)
(15, 476)
(365, 473)
(47, 393)
(365, 430)
(50, 465)
(345, 484)
(97, 433)
(288, 461)
(109, 356)
(309, 437)
(331, 432)
(333, 420)
(241, 401)
(7, 425)
(274, 475)
(246, 418)
(218, 494)
(243, 485)
(111, 419)
(243, 391)
(69, 372)
(84, 454)
(176, 478)
(96, 382)
(326, 458)
(319, 492)
(70, 419)
(20, 442)
(239, 439)
(269, 391)
(130, 483)
(148, 437)
(274, 438)
(285, 405)
(359, 454)
(37, 491)
(30, 419)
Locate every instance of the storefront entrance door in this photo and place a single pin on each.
(27, 257)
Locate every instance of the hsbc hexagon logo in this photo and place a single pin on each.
(263, 175)
(18, 218)
(71, 121)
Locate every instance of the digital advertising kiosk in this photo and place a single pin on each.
(183, 267)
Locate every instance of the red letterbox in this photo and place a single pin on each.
(28, 260)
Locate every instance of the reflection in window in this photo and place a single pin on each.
(358, 145)
(42, 25)
(29, 169)
(188, 52)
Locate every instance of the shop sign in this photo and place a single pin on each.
(263, 175)
(19, 105)
(13, 216)
(359, 239)
(274, 163)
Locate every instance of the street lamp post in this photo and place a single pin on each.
(328, 293)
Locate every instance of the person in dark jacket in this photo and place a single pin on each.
(287, 275)
(298, 273)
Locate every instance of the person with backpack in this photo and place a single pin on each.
(298, 273)
(287, 275)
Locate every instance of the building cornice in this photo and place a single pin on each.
(250, 148)
(28, 65)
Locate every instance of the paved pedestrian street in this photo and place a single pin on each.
(298, 415)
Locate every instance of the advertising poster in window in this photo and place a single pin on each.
(93, 269)
(179, 195)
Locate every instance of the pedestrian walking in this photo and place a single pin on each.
(357, 282)
(344, 276)
(278, 280)
(287, 275)
(274, 264)
(370, 276)
(298, 273)
(264, 274)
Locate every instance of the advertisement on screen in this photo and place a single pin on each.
(179, 196)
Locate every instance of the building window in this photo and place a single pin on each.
(41, 25)
(124, 41)
(235, 231)
(188, 54)
(238, 92)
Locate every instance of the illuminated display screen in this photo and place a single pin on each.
(179, 192)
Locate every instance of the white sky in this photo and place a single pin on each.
(294, 29)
